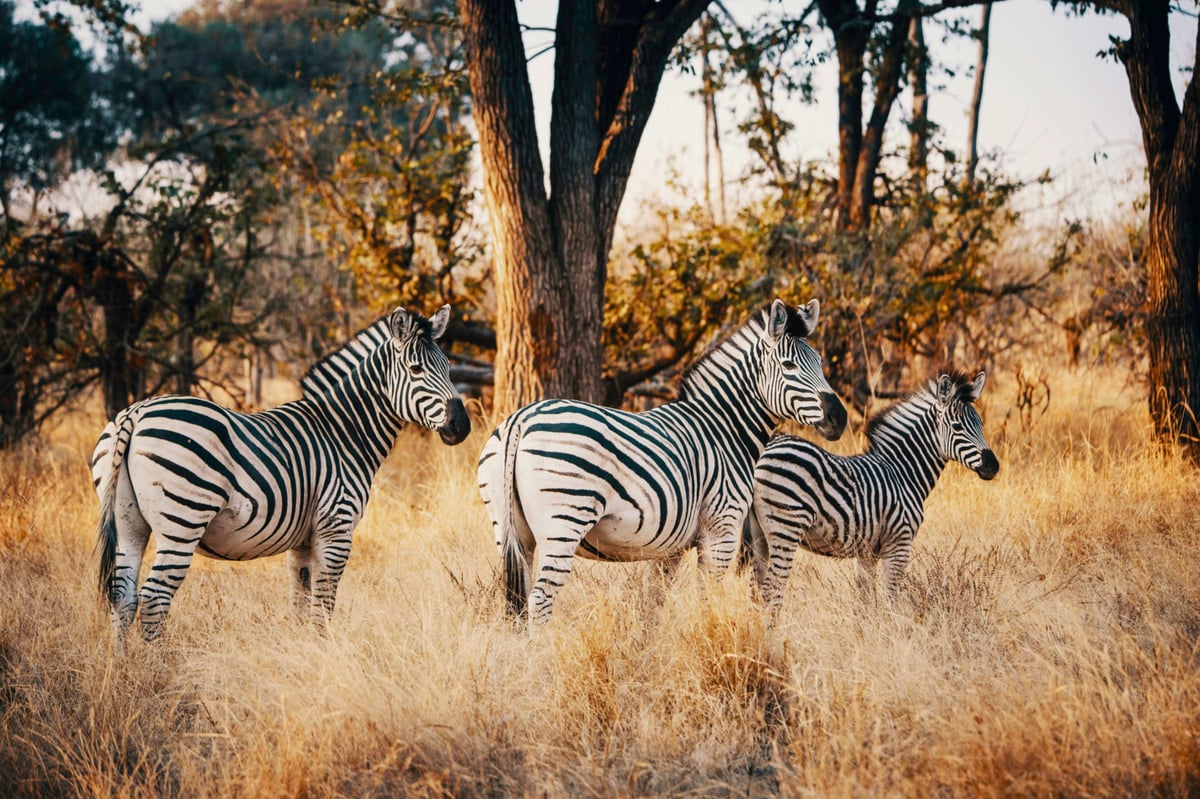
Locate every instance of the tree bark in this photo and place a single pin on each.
(858, 149)
(850, 41)
(1171, 138)
(551, 249)
(712, 134)
(985, 23)
(530, 316)
(887, 87)
(918, 69)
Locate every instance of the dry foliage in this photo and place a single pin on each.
(1046, 644)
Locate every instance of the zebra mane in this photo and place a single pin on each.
(753, 327)
(333, 368)
(962, 385)
(796, 324)
(924, 395)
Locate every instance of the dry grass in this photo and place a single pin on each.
(1046, 645)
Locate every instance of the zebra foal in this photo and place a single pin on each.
(561, 478)
(293, 479)
(866, 506)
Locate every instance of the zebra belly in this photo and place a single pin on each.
(235, 534)
(824, 538)
(618, 536)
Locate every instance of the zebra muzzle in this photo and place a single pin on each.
(458, 423)
(833, 422)
(988, 465)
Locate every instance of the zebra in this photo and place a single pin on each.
(294, 479)
(867, 506)
(566, 477)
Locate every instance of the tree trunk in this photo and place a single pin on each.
(918, 69)
(119, 381)
(551, 250)
(858, 149)
(887, 87)
(531, 318)
(850, 49)
(712, 135)
(1173, 319)
(985, 23)
(1171, 138)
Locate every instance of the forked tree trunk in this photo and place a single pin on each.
(538, 352)
(859, 148)
(550, 249)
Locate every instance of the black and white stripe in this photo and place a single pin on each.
(867, 506)
(561, 477)
(292, 479)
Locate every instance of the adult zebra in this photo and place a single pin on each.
(293, 479)
(563, 477)
(867, 506)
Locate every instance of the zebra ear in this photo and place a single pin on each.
(777, 322)
(401, 324)
(808, 314)
(439, 322)
(975, 387)
(945, 389)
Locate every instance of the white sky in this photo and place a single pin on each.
(1049, 103)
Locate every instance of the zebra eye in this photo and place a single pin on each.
(416, 369)
(788, 364)
(956, 427)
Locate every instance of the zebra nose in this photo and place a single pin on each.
(458, 423)
(833, 423)
(988, 466)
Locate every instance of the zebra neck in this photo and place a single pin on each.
(721, 385)
(359, 412)
(905, 436)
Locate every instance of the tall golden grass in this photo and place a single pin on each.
(1045, 644)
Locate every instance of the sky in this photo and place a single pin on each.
(1049, 103)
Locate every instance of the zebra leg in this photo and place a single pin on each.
(717, 548)
(132, 535)
(300, 563)
(782, 540)
(175, 545)
(555, 557)
(895, 561)
(329, 556)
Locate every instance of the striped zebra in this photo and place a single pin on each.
(868, 506)
(563, 478)
(293, 479)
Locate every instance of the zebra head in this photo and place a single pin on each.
(959, 428)
(791, 379)
(421, 390)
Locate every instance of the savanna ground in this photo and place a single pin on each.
(1046, 645)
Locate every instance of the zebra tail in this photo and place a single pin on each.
(106, 531)
(516, 563)
(745, 555)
